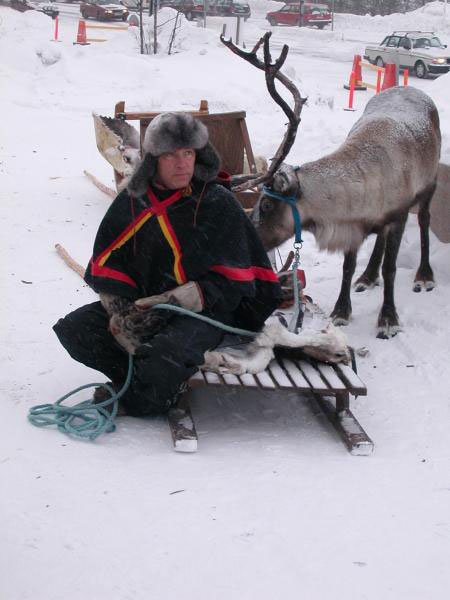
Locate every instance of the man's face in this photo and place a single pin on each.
(175, 169)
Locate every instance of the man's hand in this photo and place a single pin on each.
(188, 295)
(129, 324)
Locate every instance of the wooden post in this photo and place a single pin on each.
(141, 28)
(70, 262)
(155, 23)
(342, 401)
(238, 30)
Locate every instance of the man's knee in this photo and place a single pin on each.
(86, 319)
(84, 334)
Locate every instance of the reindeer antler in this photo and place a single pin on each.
(272, 71)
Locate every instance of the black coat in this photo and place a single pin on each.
(145, 246)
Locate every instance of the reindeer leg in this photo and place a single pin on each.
(371, 276)
(388, 321)
(343, 308)
(424, 279)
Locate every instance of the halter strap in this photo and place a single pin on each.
(292, 201)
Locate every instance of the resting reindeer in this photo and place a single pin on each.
(387, 164)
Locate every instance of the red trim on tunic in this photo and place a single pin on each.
(160, 209)
(159, 206)
(248, 274)
(97, 271)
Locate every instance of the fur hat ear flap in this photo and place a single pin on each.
(138, 184)
(207, 163)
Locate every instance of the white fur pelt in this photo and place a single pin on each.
(319, 339)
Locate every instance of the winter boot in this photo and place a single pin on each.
(101, 394)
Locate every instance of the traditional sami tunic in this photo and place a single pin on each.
(153, 243)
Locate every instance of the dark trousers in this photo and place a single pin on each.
(167, 360)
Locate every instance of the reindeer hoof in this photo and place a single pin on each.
(363, 284)
(420, 286)
(361, 287)
(339, 321)
(386, 332)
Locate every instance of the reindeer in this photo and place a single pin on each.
(387, 164)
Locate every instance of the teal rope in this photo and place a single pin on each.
(185, 311)
(85, 419)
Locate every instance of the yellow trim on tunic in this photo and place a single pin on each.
(126, 237)
(176, 267)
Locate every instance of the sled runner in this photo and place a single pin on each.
(330, 385)
(182, 426)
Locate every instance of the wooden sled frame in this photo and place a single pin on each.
(330, 385)
(227, 132)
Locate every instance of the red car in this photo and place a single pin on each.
(103, 10)
(302, 13)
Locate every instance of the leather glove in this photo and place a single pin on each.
(130, 325)
(189, 296)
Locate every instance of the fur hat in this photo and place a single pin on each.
(168, 132)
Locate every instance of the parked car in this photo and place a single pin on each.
(311, 14)
(24, 5)
(134, 5)
(187, 7)
(103, 10)
(230, 8)
(420, 51)
(195, 9)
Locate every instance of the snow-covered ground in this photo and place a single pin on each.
(272, 505)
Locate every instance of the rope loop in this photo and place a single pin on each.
(87, 419)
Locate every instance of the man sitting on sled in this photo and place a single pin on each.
(177, 235)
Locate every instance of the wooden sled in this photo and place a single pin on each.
(330, 385)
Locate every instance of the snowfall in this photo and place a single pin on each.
(272, 505)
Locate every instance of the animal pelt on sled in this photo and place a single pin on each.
(320, 340)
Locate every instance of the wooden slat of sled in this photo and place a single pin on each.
(331, 385)
(300, 375)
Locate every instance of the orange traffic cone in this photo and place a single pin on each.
(389, 77)
(81, 36)
(356, 69)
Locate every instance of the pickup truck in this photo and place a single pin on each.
(418, 51)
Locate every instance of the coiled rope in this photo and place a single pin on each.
(85, 419)
(89, 419)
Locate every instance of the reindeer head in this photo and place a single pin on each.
(118, 142)
(271, 216)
